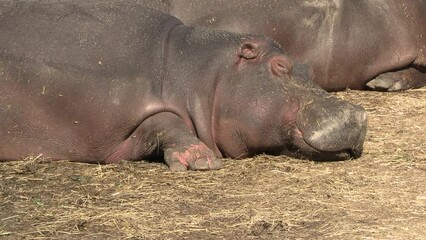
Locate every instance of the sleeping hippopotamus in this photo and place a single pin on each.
(109, 82)
(373, 44)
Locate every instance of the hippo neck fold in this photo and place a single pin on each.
(195, 59)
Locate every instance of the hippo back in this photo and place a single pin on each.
(98, 37)
(76, 78)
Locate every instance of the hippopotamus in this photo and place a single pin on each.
(102, 83)
(364, 44)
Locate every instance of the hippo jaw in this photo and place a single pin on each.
(337, 135)
(301, 148)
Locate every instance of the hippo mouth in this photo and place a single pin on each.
(301, 148)
(336, 132)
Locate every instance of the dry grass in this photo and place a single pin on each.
(382, 195)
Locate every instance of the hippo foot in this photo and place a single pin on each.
(194, 157)
(390, 82)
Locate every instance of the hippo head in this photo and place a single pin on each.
(266, 103)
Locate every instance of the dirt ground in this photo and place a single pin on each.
(381, 195)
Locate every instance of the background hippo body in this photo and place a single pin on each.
(348, 43)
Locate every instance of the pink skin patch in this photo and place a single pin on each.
(119, 154)
(127, 150)
(192, 153)
(298, 133)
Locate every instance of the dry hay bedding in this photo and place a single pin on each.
(382, 195)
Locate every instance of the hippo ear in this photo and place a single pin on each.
(281, 65)
(249, 50)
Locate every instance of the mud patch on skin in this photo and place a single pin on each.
(195, 151)
(379, 196)
(195, 157)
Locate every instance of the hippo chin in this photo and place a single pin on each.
(109, 82)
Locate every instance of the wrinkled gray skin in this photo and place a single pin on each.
(373, 44)
(109, 82)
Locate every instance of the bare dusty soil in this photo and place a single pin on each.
(381, 195)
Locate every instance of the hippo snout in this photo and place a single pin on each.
(333, 130)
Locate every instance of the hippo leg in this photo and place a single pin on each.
(399, 80)
(182, 149)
